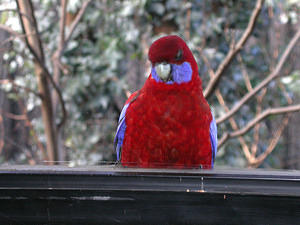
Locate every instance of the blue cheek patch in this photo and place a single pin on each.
(181, 73)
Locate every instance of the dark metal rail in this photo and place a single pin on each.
(111, 195)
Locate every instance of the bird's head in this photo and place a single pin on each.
(172, 60)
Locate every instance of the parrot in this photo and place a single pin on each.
(168, 122)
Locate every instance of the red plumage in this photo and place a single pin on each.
(167, 125)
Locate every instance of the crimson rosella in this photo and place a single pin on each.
(168, 123)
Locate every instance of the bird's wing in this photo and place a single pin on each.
(213, 138)
(120, 134)
(120, 131)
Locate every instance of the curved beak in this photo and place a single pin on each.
(163, 70)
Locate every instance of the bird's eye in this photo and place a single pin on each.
(178, 55)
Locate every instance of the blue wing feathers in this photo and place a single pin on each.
(213, 138)
(120, 132)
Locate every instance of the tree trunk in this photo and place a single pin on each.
(33, 41)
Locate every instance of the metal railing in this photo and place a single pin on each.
(113, 195)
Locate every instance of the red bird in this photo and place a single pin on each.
(168, 123)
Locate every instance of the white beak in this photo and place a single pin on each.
(163, 70)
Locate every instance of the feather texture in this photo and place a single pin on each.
(120, 131)
(213, 139)
(168, 123)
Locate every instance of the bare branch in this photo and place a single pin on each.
(57, 54)
(34, 44)
(75, 23)
(265, 82)
(249, 87)
(37, 52)
(61, 47)
(274, 140)
(60, 97)
(57, 89)
(221, 100)
(62, 23)
(276, 137)
(272, 143)
(234, 126)
(234, 50)
(13, 116)
(187, 33)
(244, 72)
(257, 119)
(259, 99)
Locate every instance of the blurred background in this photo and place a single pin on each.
(67, 67)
